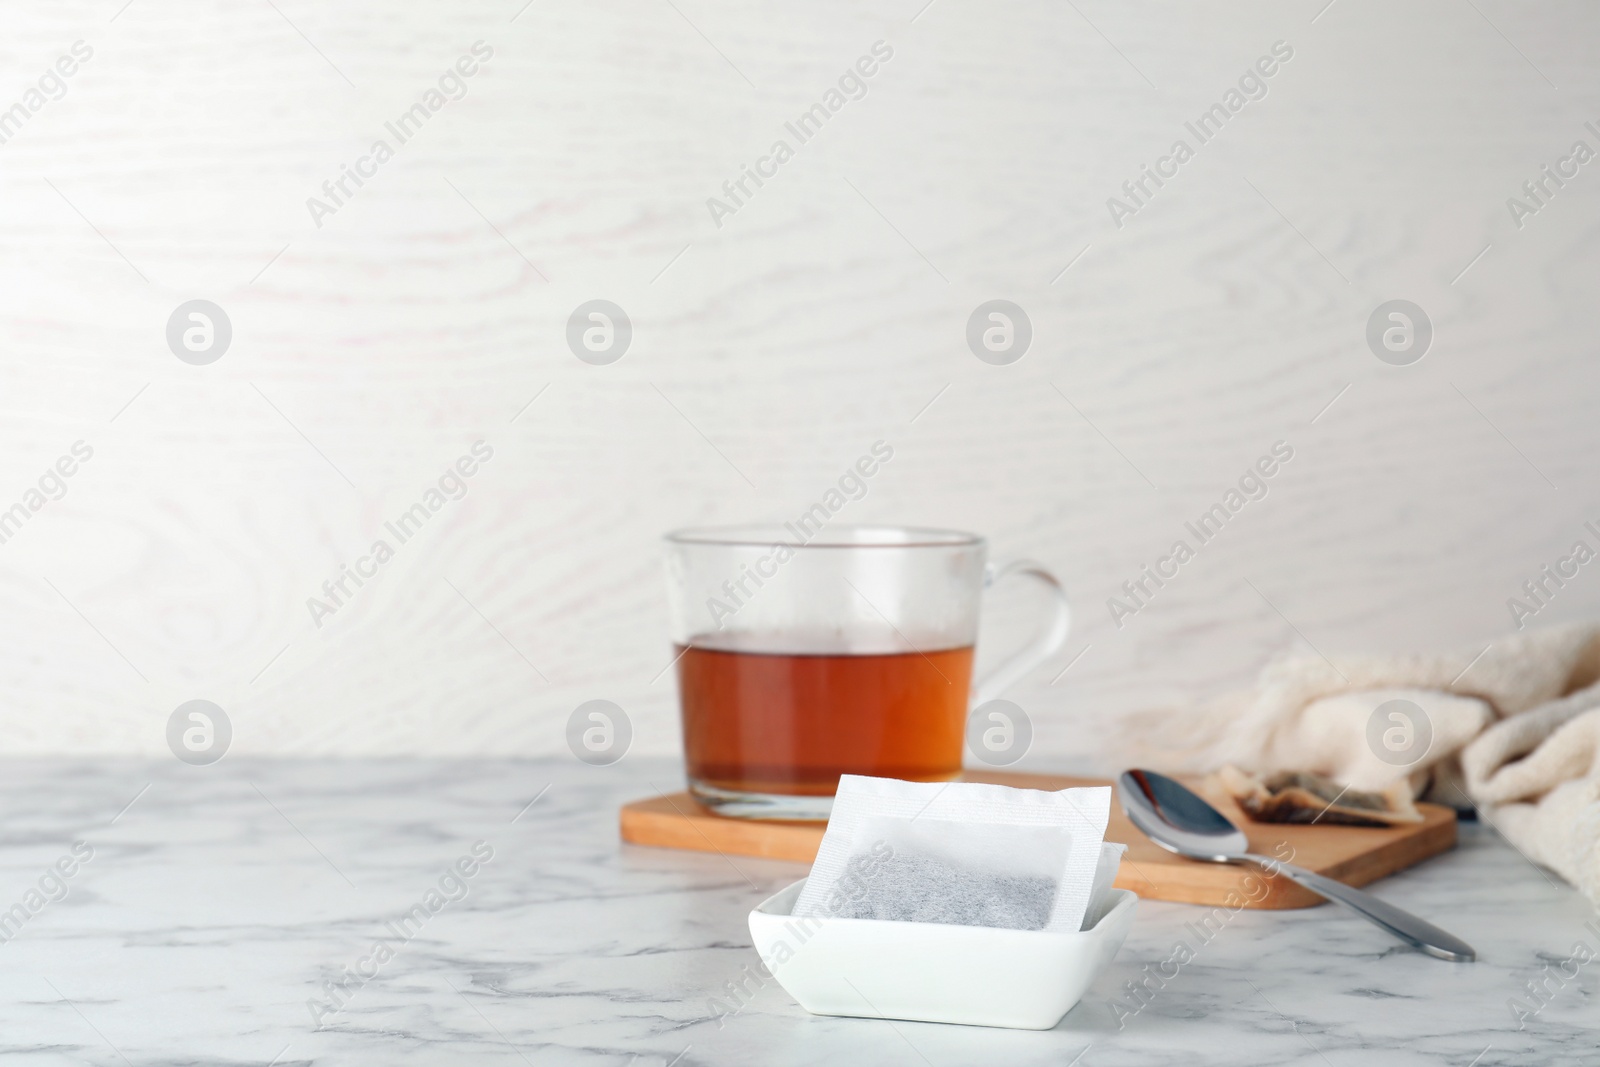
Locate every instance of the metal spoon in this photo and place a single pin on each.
(1178, 820)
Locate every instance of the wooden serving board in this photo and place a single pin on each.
(1352, 854)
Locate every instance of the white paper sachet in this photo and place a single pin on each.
(1105, 873)
(965, 853)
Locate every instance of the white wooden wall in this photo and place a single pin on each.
(825, 314)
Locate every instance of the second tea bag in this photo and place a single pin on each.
(963, 853)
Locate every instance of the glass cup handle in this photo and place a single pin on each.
(1041, 648)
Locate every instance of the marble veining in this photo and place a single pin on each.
(216, 902)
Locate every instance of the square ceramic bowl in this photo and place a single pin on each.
(930, 972)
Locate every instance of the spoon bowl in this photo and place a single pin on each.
(1178, 820)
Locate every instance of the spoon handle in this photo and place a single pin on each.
(1402, 924)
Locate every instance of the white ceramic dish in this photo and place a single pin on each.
(980, 976)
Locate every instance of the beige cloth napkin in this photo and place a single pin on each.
(1515, 733)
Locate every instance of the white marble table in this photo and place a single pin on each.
(216, 905)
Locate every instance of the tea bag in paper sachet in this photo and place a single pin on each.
(964, 853)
